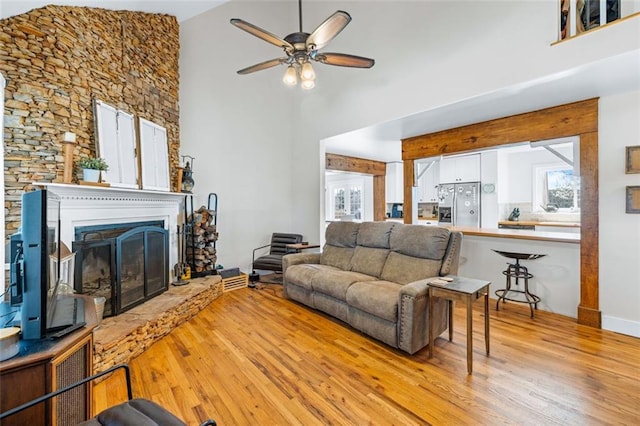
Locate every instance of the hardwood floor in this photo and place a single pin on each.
(253, 357)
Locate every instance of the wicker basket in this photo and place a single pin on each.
(234, 283)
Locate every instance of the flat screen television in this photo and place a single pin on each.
(35, 270)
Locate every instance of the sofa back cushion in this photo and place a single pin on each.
(403, 269)
(375, 234)
(340, 243)
(342, 234)
(416, 253)
(425, 242)
(369, 260)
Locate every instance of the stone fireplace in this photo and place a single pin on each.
(99, 218)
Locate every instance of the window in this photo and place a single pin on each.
(556, 186)
(345, 199)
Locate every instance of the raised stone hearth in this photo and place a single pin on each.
(121, 338)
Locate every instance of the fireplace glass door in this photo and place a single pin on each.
(125, 267)
(142, 256)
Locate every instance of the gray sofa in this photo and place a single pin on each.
(373, 276)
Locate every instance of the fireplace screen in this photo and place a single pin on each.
(127, 267)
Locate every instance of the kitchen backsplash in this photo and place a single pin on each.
(527, 215)
(428, 210)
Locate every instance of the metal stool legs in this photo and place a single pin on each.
(517, 271)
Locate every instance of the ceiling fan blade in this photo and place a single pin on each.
(262, 65)
(343, 60)
(260, 33)
(330, 28)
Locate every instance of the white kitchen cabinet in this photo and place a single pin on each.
(428, 184)
(463, 168)
(394, 184)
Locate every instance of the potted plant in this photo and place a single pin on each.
(91, 168)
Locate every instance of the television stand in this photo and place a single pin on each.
(46, 365)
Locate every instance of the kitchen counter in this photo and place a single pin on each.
(520, 234)
(542, 223)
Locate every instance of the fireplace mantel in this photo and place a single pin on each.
(85, 205)
(90, 192)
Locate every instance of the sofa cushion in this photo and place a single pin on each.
(335, 282)
(404, 269)
(302, 275)
(379, 298)
(427, 242)
(368, 260)
(375, 234)
(342, 234)
(339, 257)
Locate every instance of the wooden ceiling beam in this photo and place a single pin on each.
(550, 123)
(345, 163)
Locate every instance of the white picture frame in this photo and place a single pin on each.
(154, 156)
(116, 143)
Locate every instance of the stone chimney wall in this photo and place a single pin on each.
(56, 60)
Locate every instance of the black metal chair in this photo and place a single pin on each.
(134, 412)
(277, 249)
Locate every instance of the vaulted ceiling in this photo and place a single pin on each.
(182, 10)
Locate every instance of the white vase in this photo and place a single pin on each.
(90, 175)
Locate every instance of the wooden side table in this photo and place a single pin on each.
(466, 290)
(301, 246)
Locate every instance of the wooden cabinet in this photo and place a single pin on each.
(463, 168)
(394, 183)
(43, 366)
(428, 184)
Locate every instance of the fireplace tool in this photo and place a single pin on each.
(181, 270)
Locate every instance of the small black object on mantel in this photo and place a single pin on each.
(515, 215)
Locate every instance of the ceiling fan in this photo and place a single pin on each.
(301, 48)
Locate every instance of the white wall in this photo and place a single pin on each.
(619, 232)
(257, 142)
(240, 129)
(520, 170)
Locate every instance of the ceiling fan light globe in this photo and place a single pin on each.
(308, 84)
(290, 76)
(307, 72)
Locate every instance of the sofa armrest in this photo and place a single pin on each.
(299, 258)
(452, 256)
(413, 318)
(417, 288)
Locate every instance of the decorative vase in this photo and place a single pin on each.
(91, 175)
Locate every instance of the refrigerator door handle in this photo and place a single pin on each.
(454, 209)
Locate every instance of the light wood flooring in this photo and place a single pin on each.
(253, 357)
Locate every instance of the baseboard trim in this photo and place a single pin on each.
(622, 326)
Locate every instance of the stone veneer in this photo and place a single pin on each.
(121, 338)
(56, 60)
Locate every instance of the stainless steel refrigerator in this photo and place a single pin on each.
(459, 204)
